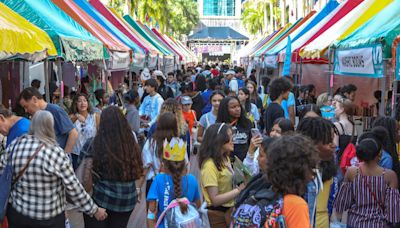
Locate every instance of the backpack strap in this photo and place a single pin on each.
(22, 171)
(174, 203)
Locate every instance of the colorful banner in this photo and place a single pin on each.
(119, 60)
(270, 61)
(397, 69)
(288, 57)
(366, 61)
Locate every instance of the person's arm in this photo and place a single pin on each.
(200, 132)
(219, 199)
(72, 137)
(292, 115)
(97, 119)
(152, 211)
(391, 177)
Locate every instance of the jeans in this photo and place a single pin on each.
(18, 220)
(114, 219)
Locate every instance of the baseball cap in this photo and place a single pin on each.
(230, 72)
(186, 100)
(159, 73)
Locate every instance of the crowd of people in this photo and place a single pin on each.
(268, 154)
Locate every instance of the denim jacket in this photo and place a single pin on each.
(313, 188)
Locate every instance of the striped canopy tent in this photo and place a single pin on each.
(349, 23)
(118, 22)
(251, 48)
(72, 41)
(21, 39)
(293, 28)
(271, 41)
(135, 25)
(167, 43)
(134, 44)
(341, 11)
(119, 52)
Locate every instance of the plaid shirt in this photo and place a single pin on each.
(40, 192)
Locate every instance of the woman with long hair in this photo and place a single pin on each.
(251, 109)
(117, 163)
(167, 128)
(347, 133)
(231, 112)
(132, 100)
(369, 192)
(209, 118)
(392, 127)
(217, 173)
(85, 121)
(173, 183)
(44, 179)
(254, 97)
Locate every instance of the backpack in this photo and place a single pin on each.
(240, 83)
(258, 206)
(5, 185)
(174, 218)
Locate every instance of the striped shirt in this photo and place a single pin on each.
(365, 209)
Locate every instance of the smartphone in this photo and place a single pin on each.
(255, 132)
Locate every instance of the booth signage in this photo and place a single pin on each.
(119, 60)
(139, 60)
(397, 69)
(367, 62)
(152, 61)
(270, 61)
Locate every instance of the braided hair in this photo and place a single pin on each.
(176, 169)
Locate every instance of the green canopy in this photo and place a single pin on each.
(139, 29)
(381, 29)
(72, 41)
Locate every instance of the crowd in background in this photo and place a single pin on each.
(307, 163)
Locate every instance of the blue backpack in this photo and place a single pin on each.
(5, 185)
(240, 83)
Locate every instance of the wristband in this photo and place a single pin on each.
(151, 215)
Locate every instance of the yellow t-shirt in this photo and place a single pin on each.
(322, 216)
(211, 177)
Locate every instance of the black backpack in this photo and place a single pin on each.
(258, 204)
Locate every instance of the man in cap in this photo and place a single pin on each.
(164, 90)
(231, 81)
(188, 114)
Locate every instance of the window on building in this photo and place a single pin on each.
(219, 7)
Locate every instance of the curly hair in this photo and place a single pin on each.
(117, 155)
(279, 86)
(290, 163)
(317, 128)
(214, 138)
(173, 106)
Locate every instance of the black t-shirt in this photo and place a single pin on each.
(241, 141)
(198, 104)
(273, 112)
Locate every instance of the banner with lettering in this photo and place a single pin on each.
(397, 69)
(365, 61)
(119, 61)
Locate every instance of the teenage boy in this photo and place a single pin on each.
(32, 101)
(151, 106)
(173, 84)
(279, 90)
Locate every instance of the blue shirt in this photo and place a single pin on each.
(19, 128)
(62, 124)
(285, 104)
(162, 191)
(151, 107)
(207, 120)
(206, 98)
(386, 160)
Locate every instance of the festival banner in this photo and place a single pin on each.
(271, 61)
(365, 61)
(119, 60)
(397, 69)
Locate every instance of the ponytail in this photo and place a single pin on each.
(176, 170)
